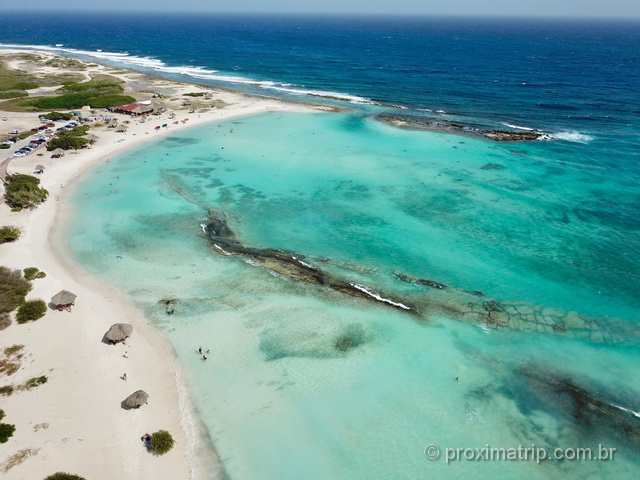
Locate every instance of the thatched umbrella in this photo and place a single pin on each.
(93, 138)
(119, 332)
(39, 167)
(136, 399)
(63, 298)
(57, 151)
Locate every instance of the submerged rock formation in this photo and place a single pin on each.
(440, 299)
(288, 264)
(590, 410)
(474, 307)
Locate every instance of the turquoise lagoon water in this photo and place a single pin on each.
(363, 200)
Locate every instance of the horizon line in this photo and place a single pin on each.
(494, 16)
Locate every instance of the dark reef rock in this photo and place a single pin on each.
(288, 264)
(420, 281)
(422, 123)
(589, 410)
(493, 166)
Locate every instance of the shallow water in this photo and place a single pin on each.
(306, 382)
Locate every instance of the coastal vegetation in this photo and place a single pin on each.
(32, 273)
(13, 289)
(24, 191)
(6, 429)
(75, 92)
(18, 458)
(64, 476)
(31, 310)
(70, 139)
(9, 234)
(57, 116)
(6, 390)
(9, 363)
(161, 442)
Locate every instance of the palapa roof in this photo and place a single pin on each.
(119, 332)
(136, 399)
(63, 298)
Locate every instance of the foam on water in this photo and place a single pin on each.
(573, 137)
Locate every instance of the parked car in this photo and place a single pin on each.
(19, 153)
(13, 132)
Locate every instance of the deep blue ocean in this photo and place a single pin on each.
(311, 384)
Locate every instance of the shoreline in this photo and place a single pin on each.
(69, 349)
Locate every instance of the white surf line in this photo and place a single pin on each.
(378, 297)
(637, 414)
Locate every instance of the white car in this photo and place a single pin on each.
(19, 154)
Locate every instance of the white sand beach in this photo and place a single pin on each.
(74, 422)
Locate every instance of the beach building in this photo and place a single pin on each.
(141, 107)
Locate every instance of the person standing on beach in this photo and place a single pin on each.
(200, 350)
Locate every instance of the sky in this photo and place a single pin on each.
(532, 8)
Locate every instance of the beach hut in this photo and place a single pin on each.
(136, 399)
(119, 332)
(63, 299)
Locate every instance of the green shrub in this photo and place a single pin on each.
(161, 442)
(5, 320)
(6, 431)
(58, 116)
(13, 94)
(67, 142)
(105, 101)
(75, 132)
(31, 310)
(6, 390)
(32, 273)
(34, 382)
(24, 191)
(194, 94)
(13, 289)
(1, 414)
(24, 86)
(5, 147)
(64, 476)
(63, 102)
(9, 234)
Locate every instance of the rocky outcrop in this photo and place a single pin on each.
(422, 123)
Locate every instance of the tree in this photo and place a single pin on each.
(161, 442)
(24, 191)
